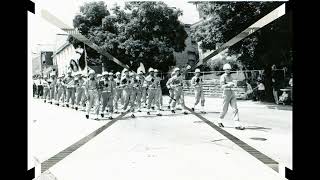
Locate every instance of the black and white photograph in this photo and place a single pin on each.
(157, 90)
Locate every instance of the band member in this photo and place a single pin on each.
(79, 85)
(144, 90)
(110, 101)
(118, 91)
(46, 89)
(171, 94)
(91, 90)
(176, 82)
(84, 97)
(52, 84)
(100, 86)
(229, 97)
(70, 89)
(139, 87)
(159, 90)
(60, 89)
(196, 83)
(106, 93)
(134, 91)
(152, 82)
(127, 88)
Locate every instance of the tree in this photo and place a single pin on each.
(146, 32)
(269, 45)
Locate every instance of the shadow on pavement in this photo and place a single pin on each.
(218, 140)
(152, 115)
(280, 107)
(257, 128)
(212, 112)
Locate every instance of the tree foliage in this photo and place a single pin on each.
(146, 32)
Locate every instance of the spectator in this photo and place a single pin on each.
(261, 90)
(40, 87)
(290, 81)
(291, 85)
(275, 83)
(34, 85)
(284, 97)
(249, 91)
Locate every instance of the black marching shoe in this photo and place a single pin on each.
(240, 128)
(159, 114)
(192, 109)
(139, 110)
(76, 108)
(110, 117)
(168, 107)
(87, 116)
(220, 125)
(67, 105)
(133, 116)
(185, 113)
(148, 113)
(102, 115)
(173, 111)
(45, 101)
(152, 108)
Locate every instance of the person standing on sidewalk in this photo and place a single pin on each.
(261, 90)
(196, 83)
(40, 87)
(34, 86)
(91, 91)
(275, 83)
(151, 83)
(227, 83)
(118, 91)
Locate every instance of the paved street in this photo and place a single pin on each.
(174, 146)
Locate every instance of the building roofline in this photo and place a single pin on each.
(61, 48)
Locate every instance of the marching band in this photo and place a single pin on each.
(100, 95)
